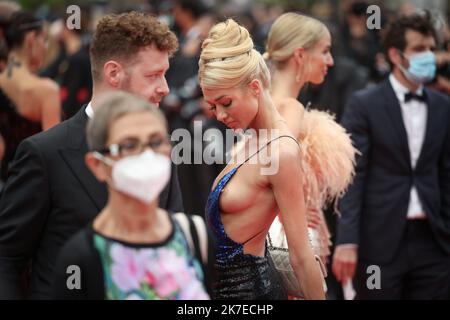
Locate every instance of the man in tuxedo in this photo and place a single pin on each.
(396, 214)
(50, 194)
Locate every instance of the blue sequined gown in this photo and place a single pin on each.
(239, 275)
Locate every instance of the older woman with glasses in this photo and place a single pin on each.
(133, 249)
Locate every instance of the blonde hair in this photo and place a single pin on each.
(289, 32)
(228, 58)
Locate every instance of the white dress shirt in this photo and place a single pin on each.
(89, 111)
(414, 113)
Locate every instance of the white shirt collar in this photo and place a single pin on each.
(89, 111)
(400, 90)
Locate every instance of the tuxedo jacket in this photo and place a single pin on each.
(49, 195)
(374, 210)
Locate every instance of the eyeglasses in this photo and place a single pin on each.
(134, 146)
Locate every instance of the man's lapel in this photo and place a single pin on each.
(432, 124)
(393, 108)
(73, 155)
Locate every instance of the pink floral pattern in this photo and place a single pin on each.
(168, 271)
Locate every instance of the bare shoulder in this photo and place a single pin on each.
(40, 87)
(285, 165)
(37, 90)
(291, 106)
(286, 149)
(47, 85)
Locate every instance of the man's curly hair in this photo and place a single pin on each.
(121, 36)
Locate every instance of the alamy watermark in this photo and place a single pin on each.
(207, 147)
(374, 280)
(73, 281)
(73, 21)
(374, 20)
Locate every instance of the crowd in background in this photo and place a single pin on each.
(357, 51)
(359, 58)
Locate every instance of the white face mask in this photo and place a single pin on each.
(141, 176)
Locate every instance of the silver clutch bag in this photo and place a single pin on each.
(279, 252)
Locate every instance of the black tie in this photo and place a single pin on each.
(411, 96)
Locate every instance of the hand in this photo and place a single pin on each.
(441, 84)
(442, 57)
(313, 218)
(344, 262)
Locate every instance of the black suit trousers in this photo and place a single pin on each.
(419, 270)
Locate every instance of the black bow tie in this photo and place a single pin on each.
(413, 96)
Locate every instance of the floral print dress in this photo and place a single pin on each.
(158, 271)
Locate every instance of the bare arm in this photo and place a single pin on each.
(286, 185)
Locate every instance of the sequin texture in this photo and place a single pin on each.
(239, 276)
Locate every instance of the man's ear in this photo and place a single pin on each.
(96, 166)
(395, 56)
(113, 73)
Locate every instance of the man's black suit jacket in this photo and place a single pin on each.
(375, 207)
(50, 194)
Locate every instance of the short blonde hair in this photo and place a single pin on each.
(228, 58)
(289, 32)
